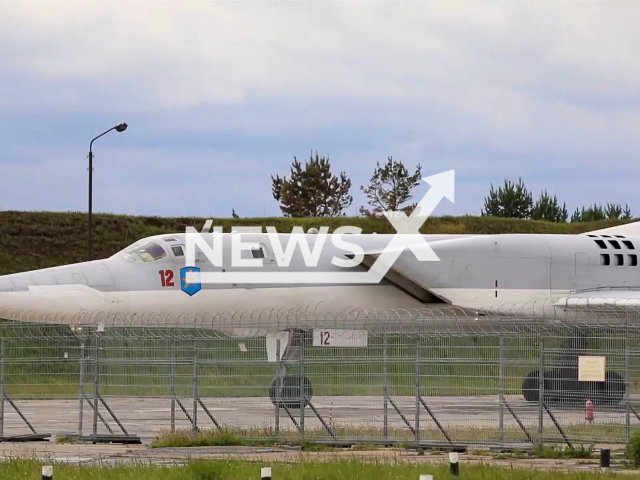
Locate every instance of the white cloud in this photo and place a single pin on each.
(187, 54)
(479, 86)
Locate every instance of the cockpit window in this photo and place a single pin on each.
(148, 252)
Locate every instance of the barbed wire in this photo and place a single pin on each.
(615, 316)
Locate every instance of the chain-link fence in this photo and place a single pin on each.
(439, 377)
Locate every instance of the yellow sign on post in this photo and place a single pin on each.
(591, 369)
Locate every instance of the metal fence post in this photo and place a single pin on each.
(172, 367)
(81, 405)
(303, 400)
(385, 386)
(2, 384)
(627, 387)
(417, 406)
(276, 390)
(96, 383)
(195, 386)
(501, 387)
(541, 393)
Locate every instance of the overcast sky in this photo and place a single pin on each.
(220, 96)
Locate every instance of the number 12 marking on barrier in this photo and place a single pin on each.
(166, 278)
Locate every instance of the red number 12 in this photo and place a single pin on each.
(166, 277)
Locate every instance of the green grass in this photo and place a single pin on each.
(236, 437)
(32, 240)
(144, 369)
(26, 469)
(579, 434)
(633, 449)
(581, 451)
(214, 437)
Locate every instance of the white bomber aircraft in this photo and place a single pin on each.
(473, 271)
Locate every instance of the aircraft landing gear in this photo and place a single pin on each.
(530, 387)
(288, 393)
(289, 390)
(561, 386)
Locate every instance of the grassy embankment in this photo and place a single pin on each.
(307, 470)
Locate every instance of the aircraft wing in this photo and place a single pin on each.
(628, 229)
(405, 272)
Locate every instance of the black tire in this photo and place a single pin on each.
(609, 392)
(553, 392)
(290, 394)
(530, 387)
(553, 388)
(565, 387)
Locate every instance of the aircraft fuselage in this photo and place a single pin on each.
(473, 271)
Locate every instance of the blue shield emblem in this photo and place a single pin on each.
(190, 280)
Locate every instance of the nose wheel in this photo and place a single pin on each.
(290, 391)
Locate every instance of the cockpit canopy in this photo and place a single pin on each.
(146, 252)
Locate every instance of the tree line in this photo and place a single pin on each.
(514, 200)
(313, 190)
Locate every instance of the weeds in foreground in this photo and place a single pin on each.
(545, 451)
(401, 438)
(28, 469)
(232, 437)
(633, 449)
(66, 440)
(208, 438)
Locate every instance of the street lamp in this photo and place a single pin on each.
(121, 127)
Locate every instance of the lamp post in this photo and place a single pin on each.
(121, 127)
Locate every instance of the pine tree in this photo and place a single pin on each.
(613, 211)
(577, 215)
(511, 200)
(592, 213)
(547, 208)
(312, 190)
(390, 187)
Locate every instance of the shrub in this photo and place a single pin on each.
(633, 449)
